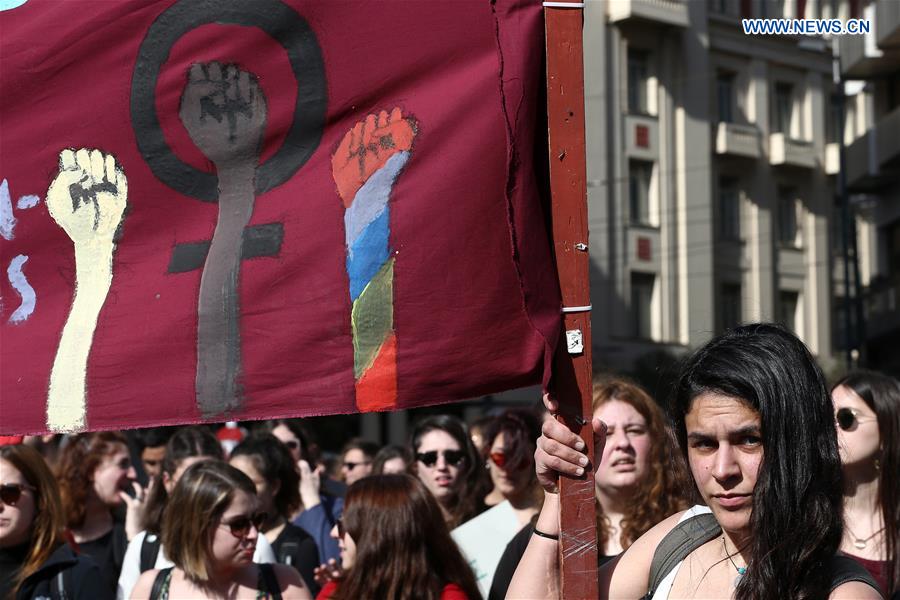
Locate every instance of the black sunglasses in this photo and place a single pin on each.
(352, 465)
(292, 444)
(848, 420)
(11, 492)
(240, 526)
(430, 458)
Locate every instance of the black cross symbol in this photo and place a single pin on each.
(257, 241)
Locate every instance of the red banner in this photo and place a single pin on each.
(245, 210)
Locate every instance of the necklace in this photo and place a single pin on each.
(740, 570)
(859, 542)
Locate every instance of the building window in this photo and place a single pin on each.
(642, 305)
(730, 306)
(729, 209)
(725, 96)
(788, 232)
(784, 108)
(638, 81)
(639, 173)
(787, 310)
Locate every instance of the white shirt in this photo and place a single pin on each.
(665, 586)
(131, 564)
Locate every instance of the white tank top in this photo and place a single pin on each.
(665, 586)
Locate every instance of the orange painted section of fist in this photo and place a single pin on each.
(367, 147)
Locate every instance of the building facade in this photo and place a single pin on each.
(712, 176)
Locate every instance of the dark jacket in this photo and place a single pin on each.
(80, 578)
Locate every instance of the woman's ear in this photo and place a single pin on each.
(167, 482)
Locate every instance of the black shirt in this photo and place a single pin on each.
(11, 560)
(108, 551)
(295, 547)
(506, 568)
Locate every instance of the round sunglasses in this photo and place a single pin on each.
(849, 420)
(240, 526)
(10, 493)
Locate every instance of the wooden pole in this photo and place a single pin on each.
(572, 364)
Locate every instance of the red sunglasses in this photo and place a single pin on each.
(498, 458)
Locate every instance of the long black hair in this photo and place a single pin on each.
(796, 522)
(471, 486)
(184, 443)
(882, 394)
(274, 462)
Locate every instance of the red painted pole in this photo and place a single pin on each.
(572, 364)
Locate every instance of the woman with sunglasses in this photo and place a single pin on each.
(210, 528)
(395, 544)
(187, 446)
(269, 465)
(95, 474)
(756, 426)
(867, 413)
(35, 559)
(448, 464)
(509, 458)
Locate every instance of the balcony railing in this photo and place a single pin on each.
(738, 140)
(668, 12)
(865, 56)
(872, 158)
(789, 152)
(887, 23)
(882, 306)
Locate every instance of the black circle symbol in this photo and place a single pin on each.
(280, 22)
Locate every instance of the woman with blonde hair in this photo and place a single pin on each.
(35, 558)
(210, 529)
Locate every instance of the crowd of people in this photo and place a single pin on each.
(756, 483)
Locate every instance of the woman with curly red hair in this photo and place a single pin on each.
(639, 482)
(94, 473)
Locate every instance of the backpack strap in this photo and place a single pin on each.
(149, 551)
(269, 581)
(845, 569)
(286, 553)
(684, 538)
(61, 582)
(162, 579)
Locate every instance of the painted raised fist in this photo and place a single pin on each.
(87, 197)
(224, 110)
